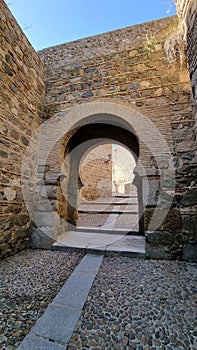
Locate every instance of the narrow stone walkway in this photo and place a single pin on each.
(54, 329)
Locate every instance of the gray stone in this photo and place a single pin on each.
(75, 291)
(45, 219)
(189, 223)
(52, 178)
(57, 323)
(159, 238)
(42, 169)
(7, 69)
(90, 70)
(87, 94)
(49, 191)
(158, 253)
(150, 193)
(90, 264)
(190, 252)
(46, 206)
(189, 198)
(40, 240)
(31, 342)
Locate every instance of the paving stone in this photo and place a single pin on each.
(90, 264)
(32, 342)
(57, 323)
(75, 291)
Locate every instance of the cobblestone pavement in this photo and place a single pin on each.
(29, 281)
(141, 305)
(92, 220)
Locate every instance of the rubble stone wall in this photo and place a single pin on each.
(21, 98)
(187, 12)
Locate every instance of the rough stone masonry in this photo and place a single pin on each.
(116, 73)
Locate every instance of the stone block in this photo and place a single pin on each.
(46, 206)
(57, 323)
(157, 253)
(89, 264)
(52, 178)
(49, 191)
(171, 223)
(45, 219)
(41, 169)
(32, 342)
(41, 239)
(190, 253)
(159, 238)
(75, 291)
(189, 223)
(189, 198)
(150, 191)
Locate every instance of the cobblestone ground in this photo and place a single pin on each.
(141, 305)
(92, 220)
(29, 281)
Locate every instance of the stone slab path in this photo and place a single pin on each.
(54, 329)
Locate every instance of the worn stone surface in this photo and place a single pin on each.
(41, 239)
(32, 342)
(56, 323)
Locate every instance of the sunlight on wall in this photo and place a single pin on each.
(123, 164)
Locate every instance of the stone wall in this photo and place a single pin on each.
(118, 65)
(130, 66)
(187, 12)
(21, 98)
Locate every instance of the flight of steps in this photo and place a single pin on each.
(117, 233)
(121, 210)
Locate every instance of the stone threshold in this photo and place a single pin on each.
(101, 229)
(105, 203)
(103, 211)
(55, 327)
(105, 243)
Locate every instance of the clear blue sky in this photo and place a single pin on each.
(51, 22)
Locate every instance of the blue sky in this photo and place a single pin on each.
(51, 22)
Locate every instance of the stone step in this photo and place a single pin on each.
(106, 203)
(107, 211)
(101, 230)
(102, 243)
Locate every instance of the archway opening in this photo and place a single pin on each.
(108, 197)
(79, 147)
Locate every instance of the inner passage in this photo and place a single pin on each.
(108, 196)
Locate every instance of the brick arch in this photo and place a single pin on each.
(57, 131)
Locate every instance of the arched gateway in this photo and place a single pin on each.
(59, 145)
